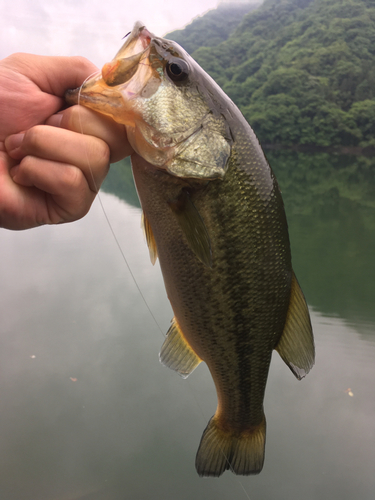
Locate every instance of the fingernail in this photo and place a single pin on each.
(13, 142)
(55, 120)
(13, 172)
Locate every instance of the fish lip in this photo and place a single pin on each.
(71, 96)
(88, 92)
(106, 94)
(125, 63)
(138, 33)
(139, 38)
(74, 96)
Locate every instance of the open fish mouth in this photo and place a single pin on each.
(135, 75)
(124, 65)
(121, 79)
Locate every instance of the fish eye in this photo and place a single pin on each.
(177, 70)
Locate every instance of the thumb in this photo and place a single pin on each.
(52, 74)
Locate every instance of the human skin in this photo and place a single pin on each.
(52, 160)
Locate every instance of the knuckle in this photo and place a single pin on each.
(82, 61)
(26, 166)
(16, 59)
(100, 152)
(34, 139)
(73, 180)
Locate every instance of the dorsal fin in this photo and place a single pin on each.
(296, 346)
(193, 227)
(151, 243)
(176, 353)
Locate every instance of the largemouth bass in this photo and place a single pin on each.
(213, 214)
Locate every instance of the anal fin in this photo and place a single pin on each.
(176, 353)
(296, 346)
(151, 243)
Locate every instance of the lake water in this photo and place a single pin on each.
(87, 411)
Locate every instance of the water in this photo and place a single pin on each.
(86, 410)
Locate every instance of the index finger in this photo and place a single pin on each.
(86, 121)
(88, 153)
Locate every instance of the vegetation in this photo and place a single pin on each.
(212, 28)
(301, 71)
(330, 202)
(120, 182)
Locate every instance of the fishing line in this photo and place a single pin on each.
(106, 216)
(236, 478)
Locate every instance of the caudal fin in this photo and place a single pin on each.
(219, 450)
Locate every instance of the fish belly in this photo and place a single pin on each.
(232, 315)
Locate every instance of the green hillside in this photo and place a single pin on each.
(301, 71)
(212, 28)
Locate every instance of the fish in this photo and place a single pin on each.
(214, 217)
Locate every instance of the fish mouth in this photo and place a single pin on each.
(120, 80)
(121, 91)
(126, 61)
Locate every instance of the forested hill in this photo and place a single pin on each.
(214, 27)
(301, 71)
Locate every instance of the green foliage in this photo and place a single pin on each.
(212, 28)
(119, 181)
(301, 71)
(363, 113)
(330, 202)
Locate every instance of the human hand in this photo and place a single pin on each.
(50, 175)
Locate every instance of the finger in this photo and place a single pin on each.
(13, 206)
(53, 75)
(70, 196)
(89, 122)
(88, 153)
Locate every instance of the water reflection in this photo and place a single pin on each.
(330, 203)
(95, 416)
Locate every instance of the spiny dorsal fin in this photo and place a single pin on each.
(149, 238)
(296, 346)
(193, 227)
(176, 353)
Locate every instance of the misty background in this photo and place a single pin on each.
(93, 29)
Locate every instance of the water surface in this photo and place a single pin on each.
(86, 410)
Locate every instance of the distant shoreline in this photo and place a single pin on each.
(310, 148)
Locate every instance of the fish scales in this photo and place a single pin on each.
(214, 216)
(237, 309)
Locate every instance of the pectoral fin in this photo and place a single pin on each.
(176, 353)
(193, 227)
(296, 346)
(151, 243)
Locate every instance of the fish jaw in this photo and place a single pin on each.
(95, 95)
(113, 91)
(183, 136)
(122, 91)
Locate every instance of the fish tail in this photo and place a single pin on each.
(240, 452)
